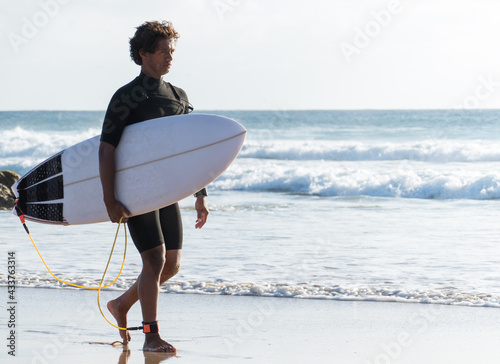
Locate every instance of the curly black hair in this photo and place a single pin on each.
(147, 36)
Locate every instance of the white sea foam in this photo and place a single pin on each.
(396, 179)
(25, 147)
(285, 290)
(441, 169)
(22, 149)
(440, 151)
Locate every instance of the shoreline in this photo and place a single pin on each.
(291, 291)
(61, 326)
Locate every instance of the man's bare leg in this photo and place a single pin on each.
(120, 306)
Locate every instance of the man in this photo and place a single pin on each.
(158, 234)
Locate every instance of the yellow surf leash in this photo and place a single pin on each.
(23, 221)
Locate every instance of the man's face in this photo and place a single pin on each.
(158, 63)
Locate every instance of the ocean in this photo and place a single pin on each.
(371, 205)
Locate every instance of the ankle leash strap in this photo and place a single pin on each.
(150, 327)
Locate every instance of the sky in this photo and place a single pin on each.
(258, 54)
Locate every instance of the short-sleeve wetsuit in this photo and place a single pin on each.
(142, 99)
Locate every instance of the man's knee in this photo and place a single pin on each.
(170, 271)
(154, 261)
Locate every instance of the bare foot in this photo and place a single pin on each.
(155, 343)
(121, 319)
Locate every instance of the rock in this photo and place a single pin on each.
(7, 197)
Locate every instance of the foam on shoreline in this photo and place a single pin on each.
(445, 296)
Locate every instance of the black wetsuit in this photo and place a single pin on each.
(142, 99)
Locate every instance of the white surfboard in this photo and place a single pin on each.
(158, 162)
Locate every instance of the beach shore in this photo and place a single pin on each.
(65, 326)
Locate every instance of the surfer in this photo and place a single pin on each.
(158, 234)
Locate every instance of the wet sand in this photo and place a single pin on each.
(65, 326)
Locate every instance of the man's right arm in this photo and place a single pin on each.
(115, 208)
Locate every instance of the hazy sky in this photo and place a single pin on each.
(258, 54)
